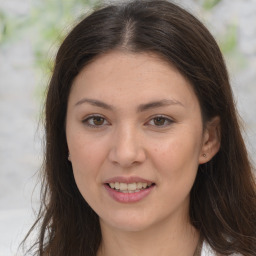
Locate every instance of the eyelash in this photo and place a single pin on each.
(166, 119)
(87, 120)
(105, 122)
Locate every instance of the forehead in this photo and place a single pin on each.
(121, 77)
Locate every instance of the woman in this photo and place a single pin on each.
(144, 154)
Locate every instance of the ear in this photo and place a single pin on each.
(211, 140)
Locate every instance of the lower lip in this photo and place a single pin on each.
(128, 197)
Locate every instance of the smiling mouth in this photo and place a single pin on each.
(134, 187)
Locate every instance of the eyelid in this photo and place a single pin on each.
(167, 118)
(106, 122)
(87, 118)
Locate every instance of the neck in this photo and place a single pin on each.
(167, 238)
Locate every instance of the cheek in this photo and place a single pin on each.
(176, 163)
(86, 165)
(85, 149)
(85, 158)
(177, 154)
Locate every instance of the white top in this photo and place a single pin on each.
(208, 251)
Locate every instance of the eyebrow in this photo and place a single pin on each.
(141, 108)
(158, 104)
(96, 103)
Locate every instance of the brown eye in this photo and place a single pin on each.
(159, 121)
(98, 120)
(95, 121)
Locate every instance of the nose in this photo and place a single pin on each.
(126, 147)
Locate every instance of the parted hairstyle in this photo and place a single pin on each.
(223, 197)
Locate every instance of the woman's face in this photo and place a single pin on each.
(133, 121)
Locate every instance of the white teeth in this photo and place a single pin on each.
(117, 185)
(129, 187)
(144, 185)
(123, 186)
(139, 185)
(132, 186)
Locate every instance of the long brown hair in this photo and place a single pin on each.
(223, 201)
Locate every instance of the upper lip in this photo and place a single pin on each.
(132, 179)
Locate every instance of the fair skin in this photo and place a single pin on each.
(132, 118)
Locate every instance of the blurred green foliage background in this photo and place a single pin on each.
(49, 20)
(46, 24)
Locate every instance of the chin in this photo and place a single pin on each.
(128, 222)
(130, 226)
